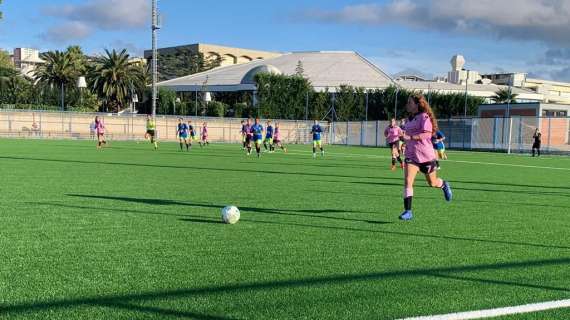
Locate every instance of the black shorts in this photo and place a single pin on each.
(150, 133)
(536, 145)
(248, 138)
(393, 144)
(426, 167)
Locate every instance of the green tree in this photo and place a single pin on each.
(185, 62)
(166, 101)
(113, 77)
(5, 61)
(57, 71)
(282, 96)
(504, 96)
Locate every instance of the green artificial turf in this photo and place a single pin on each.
(132, 233)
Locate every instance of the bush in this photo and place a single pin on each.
(216, 109)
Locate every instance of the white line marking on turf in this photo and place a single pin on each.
(491, 313)
(374, 156)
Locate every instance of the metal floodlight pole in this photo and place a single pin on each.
(154, 28)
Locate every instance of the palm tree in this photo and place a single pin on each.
(504, 96)
(57, 70)
(113, 78)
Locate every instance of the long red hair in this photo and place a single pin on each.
(423, 106)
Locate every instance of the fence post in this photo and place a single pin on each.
(361, 133)
(41, 128)
(376, 136)
(495, 133)
(520, 134)
(463, 135)
(510, 135)
(549, 132)
(347, 132)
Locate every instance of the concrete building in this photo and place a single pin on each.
(458, 75)
(533, 109)
(229, 55)
(26, 60)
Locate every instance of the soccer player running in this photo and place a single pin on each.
(268, 137)
(316, 131)
(204, 140)
(439, 146)
(257, 136)
(151, 131)
(100, 128)
(537, 136)
(277, 138)
(393, 133)
(182, 134)
(420, 156)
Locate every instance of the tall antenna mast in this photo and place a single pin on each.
(155, 27)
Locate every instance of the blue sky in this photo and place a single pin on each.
(514, 36)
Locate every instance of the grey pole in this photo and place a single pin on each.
(307, 106)
(396, 104)
(366, 105)
(465, 106)
(154, 28)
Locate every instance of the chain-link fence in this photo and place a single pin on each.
(492, 134)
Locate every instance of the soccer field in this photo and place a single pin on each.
(132, 233)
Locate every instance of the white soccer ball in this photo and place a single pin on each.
(230, 215)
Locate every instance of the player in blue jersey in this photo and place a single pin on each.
(316, 131)
(268, 137)
(182, 133)
(257, 136)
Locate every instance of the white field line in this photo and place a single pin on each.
(373, 156)
(491, 313)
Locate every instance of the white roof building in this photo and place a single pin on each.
(323, 69)
(328, 70)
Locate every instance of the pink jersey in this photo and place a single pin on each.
(420, 151)
(204, 131)
(100, 127)
(277, 135)
(393, 134)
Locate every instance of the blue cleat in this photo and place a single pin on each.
(447, 191)
(406, 215)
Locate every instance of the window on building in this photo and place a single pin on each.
(554, 113)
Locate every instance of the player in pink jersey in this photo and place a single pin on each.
(277, 138)
(100, 128)
(393, 133)
(420, 156)
(204, 141)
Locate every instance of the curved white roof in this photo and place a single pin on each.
(323, 69)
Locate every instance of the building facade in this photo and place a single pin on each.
(26, 60)
(228, 55)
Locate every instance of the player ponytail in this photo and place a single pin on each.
(423, 106)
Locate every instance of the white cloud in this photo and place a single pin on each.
(78, 21)
(547, 21)
(68, 31)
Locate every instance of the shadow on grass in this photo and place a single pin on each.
(127, 301)
(163, 166)
(310, 213)
(373, 222)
